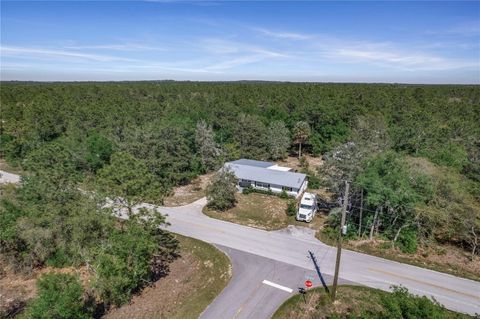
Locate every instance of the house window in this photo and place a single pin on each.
(287, 189)
(263, 185)
(245, 183)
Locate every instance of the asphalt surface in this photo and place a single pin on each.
(6, 178)
(290, 248)
(247, 296)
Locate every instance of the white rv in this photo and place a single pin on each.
(308, 207)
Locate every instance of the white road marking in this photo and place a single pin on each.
(266, 282)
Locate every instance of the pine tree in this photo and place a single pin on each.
(301, 132)
(207, 147)
(278, 140)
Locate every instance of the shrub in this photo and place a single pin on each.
(448, 154)
(99, 150)
(59, 296)
(313, 181)
(59, 259)
(291, 207)
(408, 241)
(329, 234)
(284, 195)
(401, 304)
(304, 162)
(249, 190)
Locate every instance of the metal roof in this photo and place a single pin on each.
(265, 175)
(250, 162)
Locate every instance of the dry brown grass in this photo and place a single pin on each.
(194, 281)
(18, 288)
(440, 257)
(293, 162)
(262, 211)
(15, 289)
(183, 195)
(255, 210)
(444, 258)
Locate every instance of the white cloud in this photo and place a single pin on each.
(384, 54)
(230, 54)
(117, 47)
(401, 60)
(466, 29)
(231, 63)
(283, 35)
(12, 51)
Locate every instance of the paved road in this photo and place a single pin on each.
(291, 246)
(247, 296)
(6, 178)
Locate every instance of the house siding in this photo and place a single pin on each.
(242, 183)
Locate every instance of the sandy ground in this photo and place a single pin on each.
(293, 162)
(156, 301)
(187, 194)
(194, 281)
(17, 289)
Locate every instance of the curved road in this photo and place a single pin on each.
(270, 265)
(291, 247)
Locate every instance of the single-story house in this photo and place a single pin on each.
(267, 176)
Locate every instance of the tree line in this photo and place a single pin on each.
(411, 152)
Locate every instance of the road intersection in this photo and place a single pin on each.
(263, 261)
(291, 247)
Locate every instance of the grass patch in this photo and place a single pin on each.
(262, 211)
(255, 210)
(361, 302)
(195, 279)
(210, 279)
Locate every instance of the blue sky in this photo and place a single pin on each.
(409, 42)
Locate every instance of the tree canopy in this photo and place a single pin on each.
(413, 152)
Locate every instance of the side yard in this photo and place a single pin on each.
(183, 195)
(261, 211)
(195, 279)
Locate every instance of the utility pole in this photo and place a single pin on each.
(339, 243)
(361, 213)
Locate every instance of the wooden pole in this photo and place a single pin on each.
(361, 213)
(339, 243)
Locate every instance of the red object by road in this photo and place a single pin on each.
(308, 284)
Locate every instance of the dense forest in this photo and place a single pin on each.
(410, 152)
